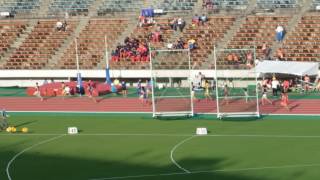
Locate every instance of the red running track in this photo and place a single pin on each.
(85, 104)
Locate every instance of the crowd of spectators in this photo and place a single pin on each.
(132, 49)
(199, 20)
(177, 23)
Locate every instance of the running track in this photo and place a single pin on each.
(84, 104)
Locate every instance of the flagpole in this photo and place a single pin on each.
(108, 79)
(106, 51)
(79, 79)
(77, 56)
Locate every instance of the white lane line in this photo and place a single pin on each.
(172, 152)
(27, 149)
(172, 135)
(212, 171)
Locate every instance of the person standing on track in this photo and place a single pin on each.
(225, 94)
(3, 123)
(285, 98)
(206, 91)
(90, 89)
(264, 97)
(37, 91)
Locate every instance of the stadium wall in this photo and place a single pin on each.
(26, 78)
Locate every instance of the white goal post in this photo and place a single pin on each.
(170, 72)
(236, 96)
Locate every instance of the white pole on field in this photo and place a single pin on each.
(106, 51)
(77, 56)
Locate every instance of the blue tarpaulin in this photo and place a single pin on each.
(148, 12)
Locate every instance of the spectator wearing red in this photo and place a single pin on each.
(230, 58)
(249, 57)
(196, 20)
(280, 54)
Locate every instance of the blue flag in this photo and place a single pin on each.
(79, 80)
(108, 79)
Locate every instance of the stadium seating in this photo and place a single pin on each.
(111, 6)
(73, 7)
(255, 31)
(272, 4)
(39, 46)
(207, 36)
(91, 43)
(19, 6)
(10, 30)
(142, 34)
(177, 5)
(229, 4)
(302, 44)
(315, 3)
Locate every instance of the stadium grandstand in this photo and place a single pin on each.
(102, 70)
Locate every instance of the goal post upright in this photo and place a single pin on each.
(152, 82)
(172, 94)
(216, 80)
(189, 80)
(243, 97)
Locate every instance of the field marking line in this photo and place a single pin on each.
(211, 171)
(172, 135)
(150, 112)
(172, 152)
(27, 149)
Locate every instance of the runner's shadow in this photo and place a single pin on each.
(26, 123)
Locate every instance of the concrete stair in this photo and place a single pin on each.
(53, 61)
(292, 24)
(93, 9)
(131, 26)
(44, 8)
(18, 42)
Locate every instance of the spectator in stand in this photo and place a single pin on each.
(203, 19)
(156, 36)
(174, 24)
(236, 58)
(181, 24)
(279, 33)
(59, 25)
(264, 49)
(196, 19)
(64, 26)
(170, 45)
(142, 20)
(192, 44)
(207, 4)
(249, 57)
(230, 58)
(280, 54)
(179, 44)
(115, 55)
